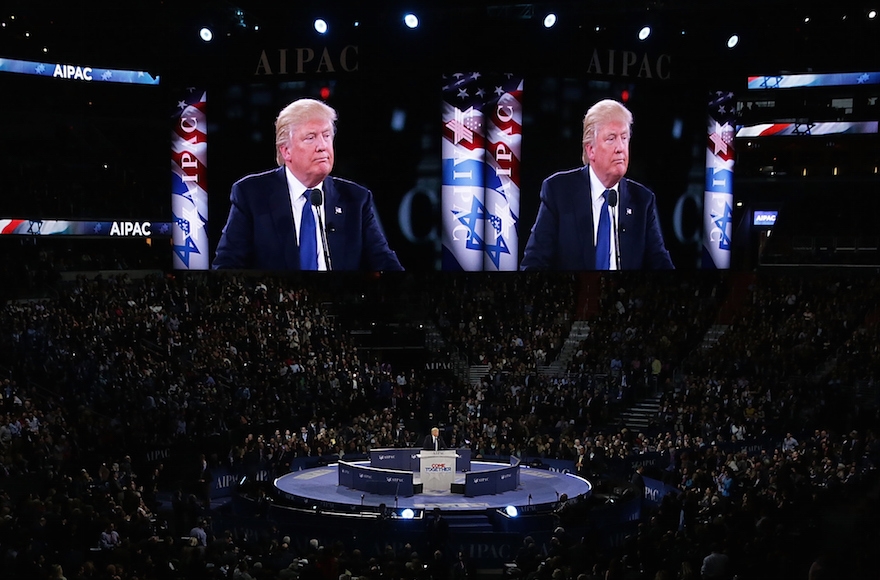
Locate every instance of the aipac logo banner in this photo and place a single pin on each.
(718, 193)
(482, 138)
(84, 228)
(73, 72)
(189, 196)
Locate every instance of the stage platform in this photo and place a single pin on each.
(539, 490)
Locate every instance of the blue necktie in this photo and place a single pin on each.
(308, 244)
(603, 237)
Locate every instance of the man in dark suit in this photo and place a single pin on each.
(276, 216)
(434, 440)
(575, 228)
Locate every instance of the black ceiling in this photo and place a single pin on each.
(162, 36)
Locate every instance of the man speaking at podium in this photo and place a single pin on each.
(297, 217)
(434, 441)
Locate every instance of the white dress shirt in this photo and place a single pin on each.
(596, 191)
(297, 201)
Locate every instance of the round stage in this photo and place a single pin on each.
(539, 490)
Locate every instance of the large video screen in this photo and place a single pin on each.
(80, 148)
(391, 141)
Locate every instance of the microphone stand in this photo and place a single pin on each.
(612, 203)
(317, 198)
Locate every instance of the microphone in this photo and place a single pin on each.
(612, 203)
(317, 198)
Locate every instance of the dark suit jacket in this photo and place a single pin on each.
(562, 237)
(429, 442)
(259, 233)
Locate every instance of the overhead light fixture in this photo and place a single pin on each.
(206, 34)
(733, 40)
(321, 26)
(550, 20)
(411, 20)
(644, 33)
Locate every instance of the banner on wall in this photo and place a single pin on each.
(481, 151)
(718, 193)
(84, 228)
(189, 194)
(814, 80)
(77, 72)
(808, 129)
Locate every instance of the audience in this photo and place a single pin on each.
(114, 367)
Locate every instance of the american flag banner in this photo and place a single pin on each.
(189, 194)
(482, 133)
(718, 193)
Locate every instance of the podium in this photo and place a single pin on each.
(437, 469)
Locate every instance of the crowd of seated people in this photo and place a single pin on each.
(115, 365)
(512, 323)
(645, 317)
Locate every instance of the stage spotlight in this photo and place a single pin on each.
(644, 33)
(733, 40)
(321, 26)
(511, 511)
(411, 20)
(206, 34)
(549, 20)
(872, 14)
(407, 514)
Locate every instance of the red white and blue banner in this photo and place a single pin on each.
(502, 188)
(84, 228)
(813, 80)
(481, 153)
(807, 129)
(75, 72)
(718, 192)
(189, 194)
